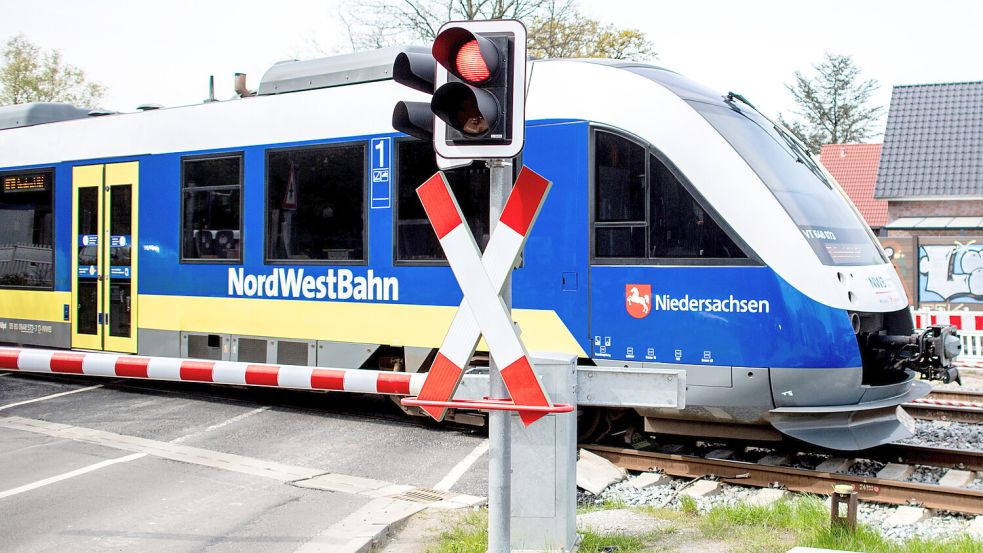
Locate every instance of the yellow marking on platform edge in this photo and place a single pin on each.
(39, 305)
(374, 323)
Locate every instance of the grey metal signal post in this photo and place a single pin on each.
(499, 422)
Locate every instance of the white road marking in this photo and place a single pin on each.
(299, 476)
(71, 474)
(52, 396)
(233, 420)
(133, 457)
(455, 474)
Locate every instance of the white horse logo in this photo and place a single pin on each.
(635, 297)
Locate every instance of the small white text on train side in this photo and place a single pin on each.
(334, 284)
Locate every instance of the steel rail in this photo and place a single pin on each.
(926, 411)
(964, 459)
(877, 490)
(964, 406)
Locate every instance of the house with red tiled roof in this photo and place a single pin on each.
(854, 166)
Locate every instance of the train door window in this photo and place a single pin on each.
(26, 233)
(315, 202)
(415, 238)
(212, 209)
(679, 227)
(619, 197)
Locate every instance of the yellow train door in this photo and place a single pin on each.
(104, 259)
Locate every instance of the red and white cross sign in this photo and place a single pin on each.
(482, 312)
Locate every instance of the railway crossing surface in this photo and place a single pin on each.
(109, 465)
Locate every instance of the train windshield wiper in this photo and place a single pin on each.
(792, 144)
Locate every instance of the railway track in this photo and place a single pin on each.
(949, 405)
(872, 489)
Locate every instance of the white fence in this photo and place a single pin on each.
(970, 325)
(972, 354)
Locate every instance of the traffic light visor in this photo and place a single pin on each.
(465, 108)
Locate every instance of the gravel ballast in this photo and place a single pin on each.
(939, 526)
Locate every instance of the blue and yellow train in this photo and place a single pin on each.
(684, 229)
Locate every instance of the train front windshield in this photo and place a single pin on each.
(831, 227)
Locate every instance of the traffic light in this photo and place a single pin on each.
(415, 69)
(477, 75)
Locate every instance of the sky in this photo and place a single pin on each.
(164, 52)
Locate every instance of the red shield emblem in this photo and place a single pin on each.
(638, 300)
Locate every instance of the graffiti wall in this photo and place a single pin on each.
(901, 251)
(950, 270)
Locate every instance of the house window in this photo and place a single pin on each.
(315, 203)
(415, 238)
(26, 233)
(211, 196)
(643, 211)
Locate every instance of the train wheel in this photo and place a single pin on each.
(588, 423)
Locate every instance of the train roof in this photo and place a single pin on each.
(346, 69)
(38, 113)
(293, 76)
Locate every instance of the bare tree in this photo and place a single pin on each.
(556, 28)
(834, 105)
(28, 74)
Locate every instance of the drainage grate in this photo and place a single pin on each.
(423, 495)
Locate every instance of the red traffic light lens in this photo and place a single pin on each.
(469, 63)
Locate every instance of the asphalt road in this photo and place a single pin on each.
(119, 465)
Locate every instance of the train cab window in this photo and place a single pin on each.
(212, 207)
(679, 227)
(415, 238)
(619, 197)
(26, 233)
(642, 210)
(315, 204)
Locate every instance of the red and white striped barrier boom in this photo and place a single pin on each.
(217, 372)
(481, 279)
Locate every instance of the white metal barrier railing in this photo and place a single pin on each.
(963, 320)
(972, 341)
(970, 325)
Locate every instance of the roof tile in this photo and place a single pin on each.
(854, 166)
(933, 144)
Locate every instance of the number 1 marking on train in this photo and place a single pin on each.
(381, 174)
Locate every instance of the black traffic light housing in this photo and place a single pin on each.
(477, 76)
(415, 70)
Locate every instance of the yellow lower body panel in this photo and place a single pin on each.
(374, 323)
(37, 305)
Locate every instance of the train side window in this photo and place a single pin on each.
(211, 198)
(619, 197)
(26, 233)
(315, 204)
(415, 238)
(679, 227)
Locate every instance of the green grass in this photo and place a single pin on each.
(802, 520)
(688, 505)
(606, 505)
(805, 521)
(470, 535)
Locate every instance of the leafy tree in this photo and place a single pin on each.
(834, 105)
(555, 27)
(29, 74)
(563, 32)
